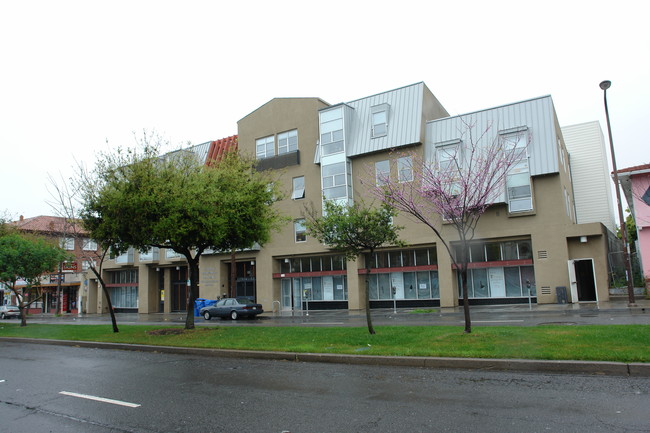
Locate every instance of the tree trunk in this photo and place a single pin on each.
(233, 274)
(192, 292)
(107, 294)
(23, 314)
(371, 329)
(110, 306)
(468, 320)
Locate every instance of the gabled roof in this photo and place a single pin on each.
(44, 224)
(220, 147)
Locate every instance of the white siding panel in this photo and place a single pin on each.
(592, 186)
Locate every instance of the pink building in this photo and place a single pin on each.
(636, 186)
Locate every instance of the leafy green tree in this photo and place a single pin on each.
(142, 199)
(246, 203)
(25, 257)
(354, 230)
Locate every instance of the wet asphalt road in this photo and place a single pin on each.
(180, 393)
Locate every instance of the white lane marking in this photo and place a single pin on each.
(493, 321)
(102, 399)
(2, 380)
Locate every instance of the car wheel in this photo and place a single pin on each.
(3, 315)
(234, 315)
(206, 315)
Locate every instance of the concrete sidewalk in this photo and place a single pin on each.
(610, 312)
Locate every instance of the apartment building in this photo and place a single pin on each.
(69, 282)
(529, 245)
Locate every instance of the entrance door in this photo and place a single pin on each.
(291, 294)
(582, 280)
(245, 284)
(179, 288)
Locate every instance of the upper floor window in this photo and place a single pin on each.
(89, 245)
(516, 142)
(331, 132)
(334, 185)
(288, 142)
(299, 230)
(448, 158)
(67, 244)
(265, 147)
(405, 169)
(518, 184)
(382, 172)
(518, 187)
(298, 188)
(379, 117)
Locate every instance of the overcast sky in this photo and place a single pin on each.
(76, 75)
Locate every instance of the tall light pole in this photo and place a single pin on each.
(626, 257)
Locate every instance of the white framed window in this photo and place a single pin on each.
(448, 157)
(265, 147)
(379, 124)
(518, 187)
(331, 131)
(516, 142)
(334, 185)
(405, 169)
(89, 245)
(300, 232)
(518, 183)
(379, 120)
(382, 172)
(67, 244)
(288, 142)
(298, 188)
(86, 264)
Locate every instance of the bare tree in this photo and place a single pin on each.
(66, 204)
(455, 186)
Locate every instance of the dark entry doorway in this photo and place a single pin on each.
(585, 280)
(179, 288)
(245, 279)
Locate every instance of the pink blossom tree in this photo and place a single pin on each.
(454, 184)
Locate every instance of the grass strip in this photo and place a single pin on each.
(622, 343)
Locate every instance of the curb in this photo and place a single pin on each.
(634, 369)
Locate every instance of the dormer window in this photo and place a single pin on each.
(379, 120)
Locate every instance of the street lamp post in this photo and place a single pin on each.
(626, 257)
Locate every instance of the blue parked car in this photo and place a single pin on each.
(233, 308)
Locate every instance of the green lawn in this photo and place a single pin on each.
(624, 343)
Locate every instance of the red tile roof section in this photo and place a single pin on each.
(43, 224)
(635, 168)
(219, 148)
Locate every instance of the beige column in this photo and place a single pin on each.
(356, 287)
(167, 284)
(446, 278)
